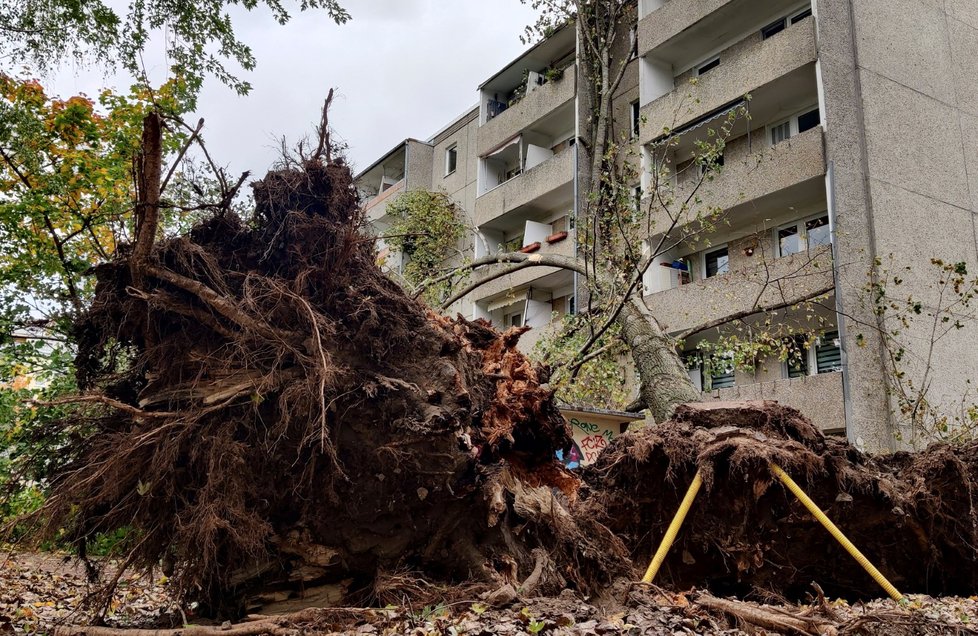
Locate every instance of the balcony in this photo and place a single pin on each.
(687, 27)
(535, 105)
(752, 184)
(819, 397)
(524, 277)
(376, 208)
(761, 280)
(541, 185)
(770, 69)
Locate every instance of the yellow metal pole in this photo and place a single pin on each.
(673, 530)
(835, 532)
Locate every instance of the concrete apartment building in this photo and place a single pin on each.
(860, 145)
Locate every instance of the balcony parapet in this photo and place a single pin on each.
(376, 207)
(526, 276)
(538, 181)
(819, 397)
(760, 281)
(745, 70)
(534, 106)
(750, 176)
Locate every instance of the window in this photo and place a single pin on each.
(721, 372)
(515, 320)
(782, 23)
(711, 165)
(806, 120)
(824, 357)
(796, 365)
(706, 67)
(716, 262)
(799, 236)
(451, 159)
(572, 304)
(828, 353)
(635, 118)
(637, 195)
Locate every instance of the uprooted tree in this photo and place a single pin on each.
(272, 418)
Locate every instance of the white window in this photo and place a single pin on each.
(824, 357)
(797, 123)
(781, 24)
(716, 262)
(708, 66)
(514, 319)
(806, 234)
(451, 159)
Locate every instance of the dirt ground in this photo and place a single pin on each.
(40, 591)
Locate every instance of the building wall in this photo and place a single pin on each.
(895, 161)
(899, 88)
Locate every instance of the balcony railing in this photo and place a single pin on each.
(765, 281)
(780, 63)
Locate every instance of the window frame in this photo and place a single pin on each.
(792, 121)
(708, 65)
(800, 226)
(811, 357)
(707, 252)
(788, 20)
(636, 113)
(451, 151)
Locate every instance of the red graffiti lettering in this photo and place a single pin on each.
(593, 442)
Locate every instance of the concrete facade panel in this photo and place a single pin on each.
(964, 57)
(914, 229)
(964, 11)
(911, 49)
(912, 140)
(969, 128)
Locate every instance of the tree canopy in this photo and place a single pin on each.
(200, 36)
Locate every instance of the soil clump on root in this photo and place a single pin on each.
(912, 514)
(278, 424)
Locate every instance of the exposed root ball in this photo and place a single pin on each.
(913, 515)
(294, 419)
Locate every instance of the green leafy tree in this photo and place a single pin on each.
(67, 197)
(199, 35)
(425, 228)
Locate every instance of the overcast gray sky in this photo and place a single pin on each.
(403, 68)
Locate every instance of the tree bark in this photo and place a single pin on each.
(663, 380)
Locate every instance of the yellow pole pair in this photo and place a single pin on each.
(677, 521)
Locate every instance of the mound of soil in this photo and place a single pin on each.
(912, 514)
